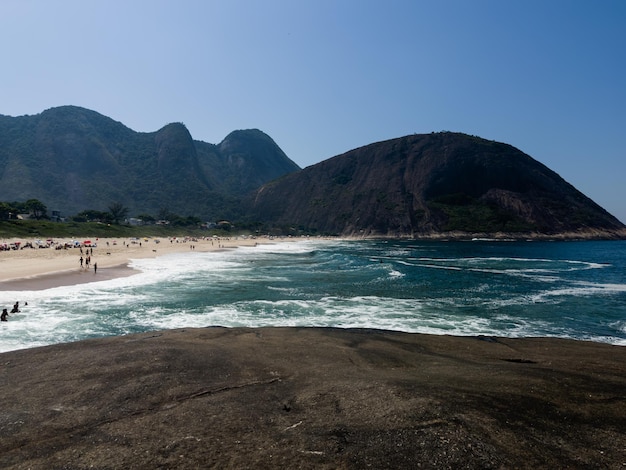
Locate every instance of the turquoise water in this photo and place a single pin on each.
(561, 289)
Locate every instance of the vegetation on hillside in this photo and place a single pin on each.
(74, 159)
(74, 165)
(463, 213)
(46, 229)
(428, 184)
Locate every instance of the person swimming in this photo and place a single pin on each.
(4, 315)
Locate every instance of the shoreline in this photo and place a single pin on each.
(66, 278)
(460, 236)
(58, 265)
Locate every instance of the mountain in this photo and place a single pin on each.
(74, 159)
(432, 185)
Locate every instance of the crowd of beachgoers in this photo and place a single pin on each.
(32, 259)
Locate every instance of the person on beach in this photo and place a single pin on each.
(4, 315)
(81, 261)
(95, 267)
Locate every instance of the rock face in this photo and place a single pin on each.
(313, 398)
(74, 159)
(421, 185)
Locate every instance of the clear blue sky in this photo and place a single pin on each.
(322, 77)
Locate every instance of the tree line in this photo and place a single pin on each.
(116, 214)
(34, 207)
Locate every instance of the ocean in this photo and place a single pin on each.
(494, 288)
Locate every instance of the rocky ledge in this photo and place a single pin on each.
(313, 398)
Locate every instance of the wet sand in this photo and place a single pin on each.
(66, 278)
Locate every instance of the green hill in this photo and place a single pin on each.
(73, 159)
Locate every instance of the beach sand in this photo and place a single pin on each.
(44, 268)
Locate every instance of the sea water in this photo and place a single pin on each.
(514, 289)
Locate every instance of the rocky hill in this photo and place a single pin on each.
(440, 184)
(73, 159)
(436, 184)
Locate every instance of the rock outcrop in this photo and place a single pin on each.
(313, 398)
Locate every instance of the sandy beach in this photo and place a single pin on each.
(59, 264)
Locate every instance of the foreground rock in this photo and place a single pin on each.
(313, 398)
